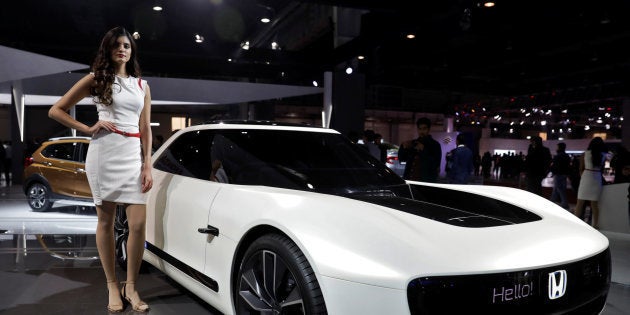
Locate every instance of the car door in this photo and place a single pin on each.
(80, 186)
(59, 167)
(180, 201)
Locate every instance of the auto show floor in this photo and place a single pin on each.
(49, 265)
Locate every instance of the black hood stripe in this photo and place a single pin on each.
(454, 207)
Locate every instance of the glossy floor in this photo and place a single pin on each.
(49, 265)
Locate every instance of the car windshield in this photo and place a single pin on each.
(312, 161)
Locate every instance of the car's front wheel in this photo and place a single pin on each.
(275, 278)
(38, 196)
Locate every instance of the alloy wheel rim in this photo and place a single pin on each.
(37, 196)
(267, 286)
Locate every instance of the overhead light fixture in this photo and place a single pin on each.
(245, 45)
(349, 70)
(135, 35)
(199, 38)
(265, 20)
(361, 57)
(157, 6)
(275, 46)
(315, 84)
(410, 36)
(488, 4)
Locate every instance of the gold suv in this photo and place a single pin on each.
(55, 171)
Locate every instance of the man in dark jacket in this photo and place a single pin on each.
(537, 165)
(422, 155)
(560, 167)
(461, 163)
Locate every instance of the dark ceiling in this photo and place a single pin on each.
(534, 53)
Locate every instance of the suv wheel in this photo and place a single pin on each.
(38, 196)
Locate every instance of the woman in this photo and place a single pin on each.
(118, 162)
(591, 179)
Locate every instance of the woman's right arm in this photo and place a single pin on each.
(59, 110)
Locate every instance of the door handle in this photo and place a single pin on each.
(209, 230)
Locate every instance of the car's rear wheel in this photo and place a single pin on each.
(275, 278)
(38, 196)
(121, 235)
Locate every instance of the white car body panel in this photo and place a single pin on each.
(364, 255)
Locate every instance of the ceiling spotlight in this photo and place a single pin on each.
(360, 57)
(349, 70)
(199, 38)
(275, 46)
(488, 4)
(315, 84)
(245, 45)
(265, 20)
(136, 35)
(410, 36)
(157, 6)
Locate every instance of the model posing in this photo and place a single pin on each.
(118, 162)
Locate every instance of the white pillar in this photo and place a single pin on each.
(327, 110)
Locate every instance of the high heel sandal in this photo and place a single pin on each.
(114, 308)
(140, 306)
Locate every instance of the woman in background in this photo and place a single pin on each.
(591, 179)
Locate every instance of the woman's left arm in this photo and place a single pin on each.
(146, 138)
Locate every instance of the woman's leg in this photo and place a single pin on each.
(594, 214)
(579, 208)
(106, 214)
(136, 218)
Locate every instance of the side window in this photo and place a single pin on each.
(61, 151)
(188, 155)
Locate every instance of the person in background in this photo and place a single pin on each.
(462, 165)
(537, 165)
(625, 171)
(381, 146)
(3, 156)
(618, 163)
(423, 155)
(486, 164)
(7, 162)
(560, 167)
(353, 136)
(368, 141)
(118, 162)
(591, 180)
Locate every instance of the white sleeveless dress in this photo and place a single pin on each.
(591, 180)
(114, 162)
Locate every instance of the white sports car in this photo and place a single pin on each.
(261, 218)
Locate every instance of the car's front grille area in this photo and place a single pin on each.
(576, 288)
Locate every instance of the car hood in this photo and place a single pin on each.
(388, 241)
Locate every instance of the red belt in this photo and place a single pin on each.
(126, 134)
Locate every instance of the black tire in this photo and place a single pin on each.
(296, 290)
(121, 235)
(38, 197)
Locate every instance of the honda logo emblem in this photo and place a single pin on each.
(557, 284)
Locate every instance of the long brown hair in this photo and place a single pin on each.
(103, 67)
